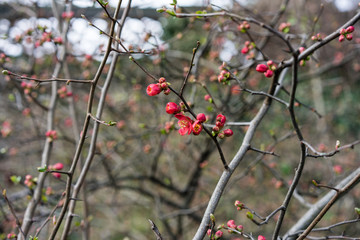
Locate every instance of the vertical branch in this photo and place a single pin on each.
(100, 108)
(301, 164)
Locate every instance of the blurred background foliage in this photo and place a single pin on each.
(142, 172)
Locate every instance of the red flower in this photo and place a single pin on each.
(185, 124)
(231, 224)
(261, 68)
(172, 108)
(58, 166)
(220, 120)
(350, 29)
(153, 89)
(244, 50)
(260, 237)
(218, 234)
(201, 117)
(197, 127)
(228, 132)
(269, 73)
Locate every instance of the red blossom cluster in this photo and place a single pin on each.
(4, 58)
(216, 130)
(51, 135)
(57, 167)
(208, 98)
(243, 26)
(218, 234)
(156, 88)
(63, 92)
(346, 33)
(268, 69)
(303, 61)
(284, 27)
(29, 181)
(27, 87)
(6, 129)
(317, 37)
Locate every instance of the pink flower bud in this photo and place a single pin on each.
(231, 224)
(350, 29)
(167, 91)
(221, 119)
(58, 166)
(341, 38)
(172, 108)
(228, 132)
(301, 49)
(162, 80)
(240, 228)
(208, 232)
(342, 31)
(216, 129)
(269, 73)
(349, 37)
(221, 135)
(201, 117)
(207, 97)
(218, 234)
(244, 50)
(56, 175)
(261, 68)
(270, 63)
(197, 127)
(260, 237)
(164, 85)
(153, 89)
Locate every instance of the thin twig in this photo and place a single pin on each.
(17, 221)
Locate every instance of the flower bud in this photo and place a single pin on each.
(58, 166)
(201, 117)
(167, 91)
(172, 108)
(349, 37)
(218, 234)
(231, 224)
(341, 38)
(261, 68)
(164, 85)
(221, 135)
(244, 50)
(350, 29)
(221, 119)
(268, 73)
(162, 80)
(56, 175)
(216, 129)
(153, 89)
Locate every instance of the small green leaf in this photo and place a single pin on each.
(357, 210)
(250, 215)
(42, 169)
(161, 10)
(11, 97)
(111, 123)
(212, 217)
(15, 179)
(171, 12)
